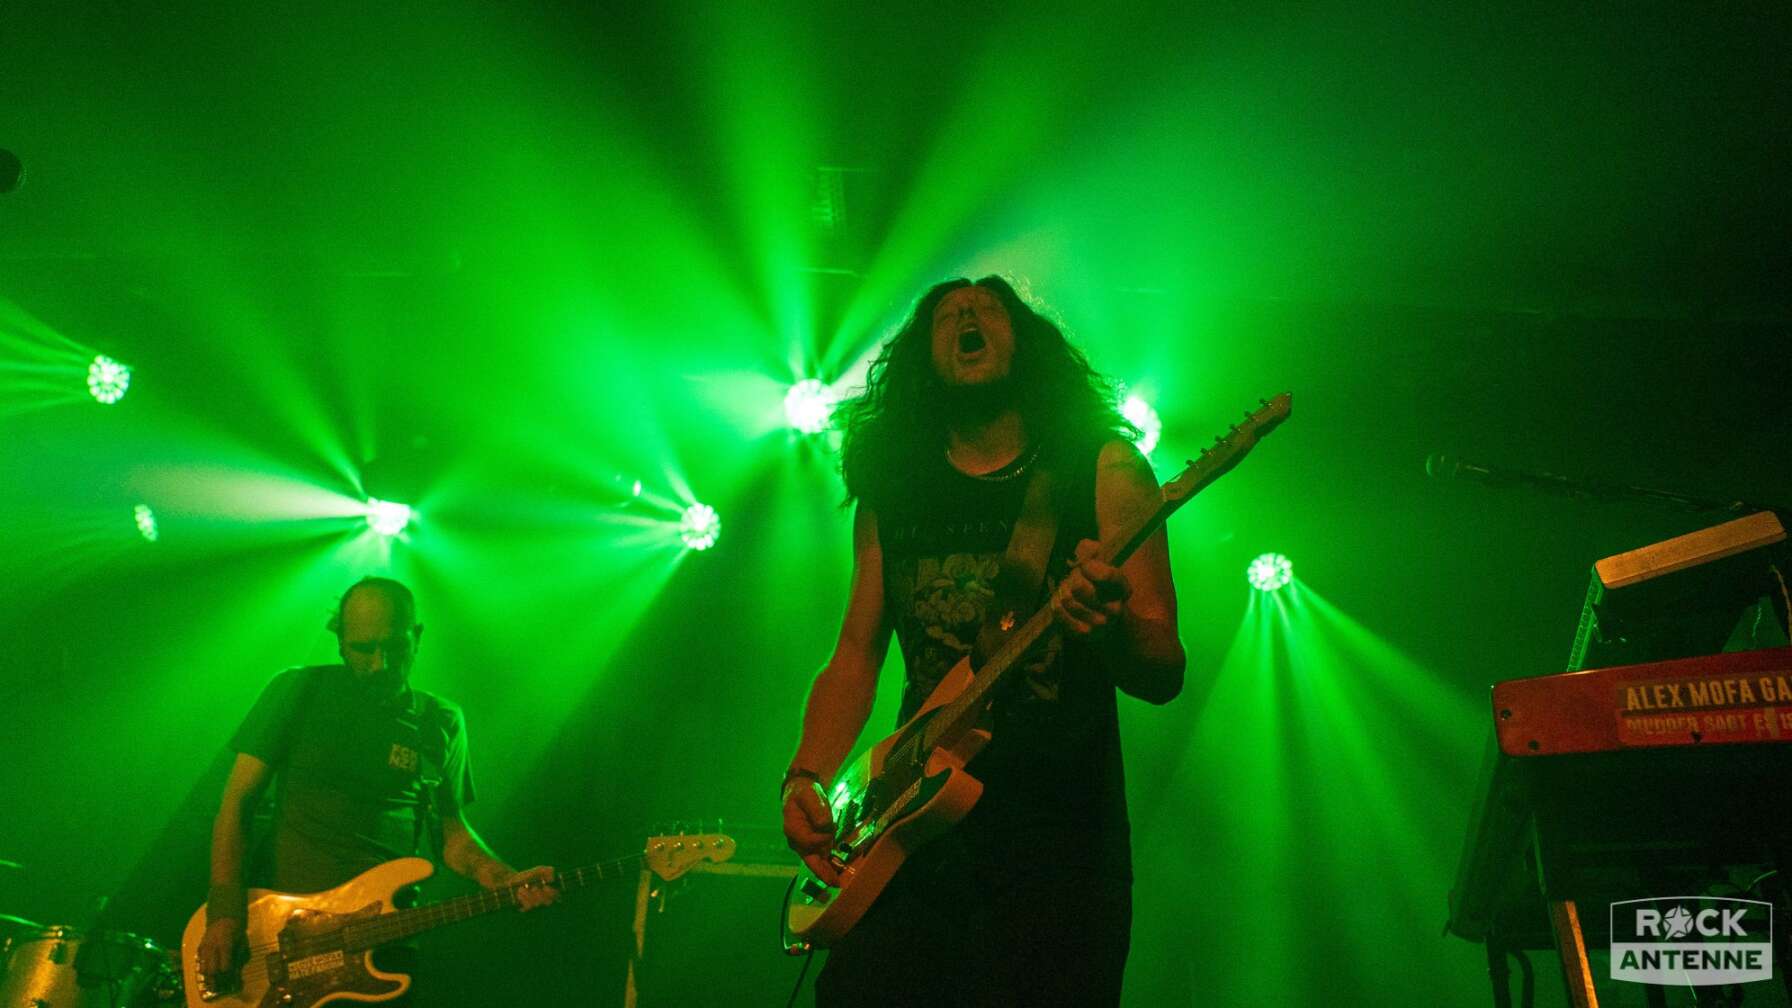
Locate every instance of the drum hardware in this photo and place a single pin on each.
(63, 967)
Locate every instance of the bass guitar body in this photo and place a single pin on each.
(302, 952)
(886, 805)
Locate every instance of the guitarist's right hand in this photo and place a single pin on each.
(809, 827)
(218, 954)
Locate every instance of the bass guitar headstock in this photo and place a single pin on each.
(674, 854)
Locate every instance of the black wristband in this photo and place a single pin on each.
(793, 774)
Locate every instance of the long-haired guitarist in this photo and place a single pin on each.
(364, 763)
(1027, 901)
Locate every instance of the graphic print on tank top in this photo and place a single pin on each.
(943, 548)
(944, 600)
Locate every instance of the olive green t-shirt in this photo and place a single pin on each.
(357, 772)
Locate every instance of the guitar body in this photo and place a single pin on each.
(298, 958)
(876, 843)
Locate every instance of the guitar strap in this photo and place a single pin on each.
(1022, 567)
(431, 776)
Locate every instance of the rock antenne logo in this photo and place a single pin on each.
(1692, 940)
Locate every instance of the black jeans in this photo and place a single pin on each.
(951, 930)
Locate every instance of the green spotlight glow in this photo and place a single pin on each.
(388, 518)
(146, 522)
(1269, 572)
(625, 487)
(700, 526)
(107, 379)
(809, 405)
(1145, 418)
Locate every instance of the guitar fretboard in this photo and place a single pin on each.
(391, 927)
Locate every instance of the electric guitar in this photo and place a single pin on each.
(912, 786)
(311, 949)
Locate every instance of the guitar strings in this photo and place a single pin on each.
(261, 957)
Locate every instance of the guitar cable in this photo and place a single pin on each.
(802, 975)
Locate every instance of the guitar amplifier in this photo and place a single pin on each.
(712, 936)
(1682, 597)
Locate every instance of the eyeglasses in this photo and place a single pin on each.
(393, 647)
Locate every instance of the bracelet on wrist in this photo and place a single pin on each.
(796, 774)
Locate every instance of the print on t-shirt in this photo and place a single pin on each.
(949, 597)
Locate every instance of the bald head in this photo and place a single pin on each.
(392, 593)
(377, 631)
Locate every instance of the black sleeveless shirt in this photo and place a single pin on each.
(1054, 787)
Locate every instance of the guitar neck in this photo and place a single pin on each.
(401, 924)
(959, 716)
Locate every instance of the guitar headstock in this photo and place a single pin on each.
(1228, 449)
(674, 854)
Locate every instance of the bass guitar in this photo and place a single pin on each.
(314, 948)
(912, 786)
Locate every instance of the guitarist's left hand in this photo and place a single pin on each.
(534, 888)
(1090, 597)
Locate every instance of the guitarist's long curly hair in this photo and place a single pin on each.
(896, 427)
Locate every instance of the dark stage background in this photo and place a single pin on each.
(502, 264)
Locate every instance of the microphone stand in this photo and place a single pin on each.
(1568, 487)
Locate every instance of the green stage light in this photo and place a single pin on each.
(146, 522)
(388, 518)
(1269, 572)
(107, 379)
(700, 526)
(809, 405)
(1150, 426)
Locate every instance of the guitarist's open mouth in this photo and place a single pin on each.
(970, 342)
